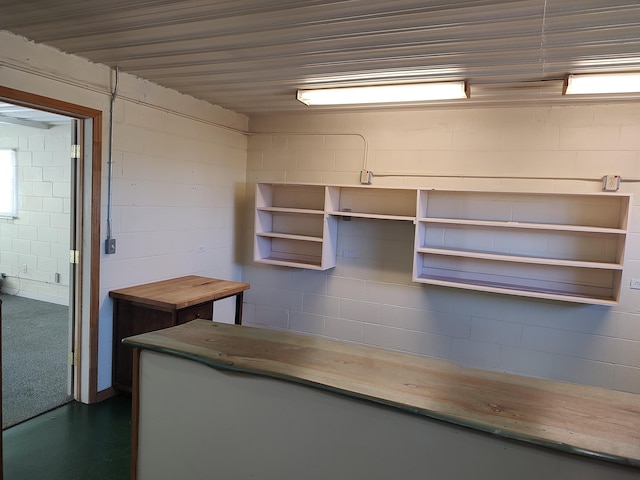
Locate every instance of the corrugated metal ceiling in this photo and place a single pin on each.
(251, 55)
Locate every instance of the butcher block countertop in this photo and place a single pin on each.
(589, 421)
(178, 293)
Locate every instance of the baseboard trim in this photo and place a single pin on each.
(106, 394)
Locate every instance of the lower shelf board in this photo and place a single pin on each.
(310, 263)
(536, 260)
(511, 289)
(291, 236)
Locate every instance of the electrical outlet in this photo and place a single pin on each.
(25, 268)
(365, 177)
(349, 253)
(611, 183)
(635, 283)
(110, 246)
(201, 248)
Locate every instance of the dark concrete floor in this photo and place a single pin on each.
(72, 442)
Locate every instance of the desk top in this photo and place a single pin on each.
(178, 293)
(578, 419)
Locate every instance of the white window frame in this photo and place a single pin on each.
(8, 183)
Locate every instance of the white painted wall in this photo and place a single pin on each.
(180, 184)
(39, 236)
(179, 175)
(176, 185)
(372, 300)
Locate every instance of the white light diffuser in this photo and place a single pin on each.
(410, 92)
(602, 83)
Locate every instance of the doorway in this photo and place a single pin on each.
(85, 258)
(36, 234)
(34, 350)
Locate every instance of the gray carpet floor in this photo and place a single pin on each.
(34, 358)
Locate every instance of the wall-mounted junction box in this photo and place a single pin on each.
(110, 246)
(365, 177)
(611, 183)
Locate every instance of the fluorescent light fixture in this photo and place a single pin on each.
(409, 92)
(602, 83)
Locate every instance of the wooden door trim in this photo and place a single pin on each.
(40, 102)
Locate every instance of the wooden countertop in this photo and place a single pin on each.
(178, 293)
(578, 419)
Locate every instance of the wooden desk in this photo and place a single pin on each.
(167, 303)
(308, 407)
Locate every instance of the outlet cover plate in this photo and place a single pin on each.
(611, 183)
(110, 246)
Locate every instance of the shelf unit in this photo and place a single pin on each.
(551, 245)
(562, 246)
(292, 228)
(374, 203)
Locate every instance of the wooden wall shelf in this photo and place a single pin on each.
(561, 246)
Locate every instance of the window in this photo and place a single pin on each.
(8, 183)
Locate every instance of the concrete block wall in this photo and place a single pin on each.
(176, 186)
(178, 183)
(39, 237)
(179, 167)
(371, 299)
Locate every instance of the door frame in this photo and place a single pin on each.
(88, 269)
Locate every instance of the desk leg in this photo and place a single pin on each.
(239, 308)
